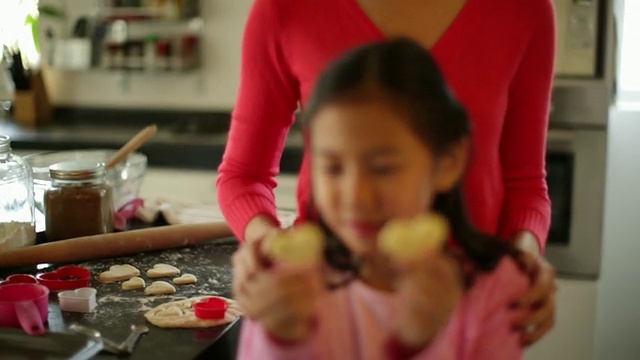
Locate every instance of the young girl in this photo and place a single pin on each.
(387, 141)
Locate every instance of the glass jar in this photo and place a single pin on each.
(79, 201)
(17, 225)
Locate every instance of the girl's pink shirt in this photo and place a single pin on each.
(357, 322)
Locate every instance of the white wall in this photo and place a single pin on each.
(618, 306)
(211, 88)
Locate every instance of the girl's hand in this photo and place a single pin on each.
(283, 300)
(280, 298)
(539, 300)
(430, 289)
(247, 262)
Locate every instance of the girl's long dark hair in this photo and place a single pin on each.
(402, 72)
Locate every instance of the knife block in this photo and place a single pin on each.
(32, 107)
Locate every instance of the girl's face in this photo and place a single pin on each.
(368, 168)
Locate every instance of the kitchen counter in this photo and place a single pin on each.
(199, 186)
(209, 262)
(117, 310)
(184, 140)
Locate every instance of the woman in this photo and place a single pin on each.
(497, 56)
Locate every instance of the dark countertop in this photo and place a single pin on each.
(184, 139)
(117, 309)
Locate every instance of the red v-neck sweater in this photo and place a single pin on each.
(497, 56)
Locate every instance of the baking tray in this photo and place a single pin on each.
(16, 345)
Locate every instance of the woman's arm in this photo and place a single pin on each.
(527, 210)
(267, 100)
(523, 145)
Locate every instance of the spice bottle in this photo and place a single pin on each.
(79, 202)
(163, 54)
(150, 52)
(17, 225)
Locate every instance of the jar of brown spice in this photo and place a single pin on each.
(79, 202)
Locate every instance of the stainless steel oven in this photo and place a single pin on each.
(576, 164)
(579, 37)
(577, 139)
(576, 167)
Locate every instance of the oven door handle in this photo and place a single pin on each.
(561, 140)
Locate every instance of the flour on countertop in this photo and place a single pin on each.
(117, 308)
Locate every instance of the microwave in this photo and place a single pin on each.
(580, 29)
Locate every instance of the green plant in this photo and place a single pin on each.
(19, 27)
(34, 23)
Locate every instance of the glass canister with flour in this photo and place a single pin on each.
(79, 202)
(17, 225)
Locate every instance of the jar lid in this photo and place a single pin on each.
(76, 170)
(5, 144)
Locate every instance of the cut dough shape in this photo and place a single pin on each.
(160, 288)
(118, 272)
(408, 239)
(180, 314)
(300, 246)
(135, 282)
(169, 312)
(162, 270)
(185, 279)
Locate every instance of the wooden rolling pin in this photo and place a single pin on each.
(114, 244)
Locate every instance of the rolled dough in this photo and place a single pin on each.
(180, 314)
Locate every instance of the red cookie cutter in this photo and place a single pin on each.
(65, 278)
(210, 309)
(19, 279)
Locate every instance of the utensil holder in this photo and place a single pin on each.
(32, 107)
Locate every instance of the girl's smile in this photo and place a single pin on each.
(364, 228)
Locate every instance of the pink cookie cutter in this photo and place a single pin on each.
(24, 305)
(126, 212)
(19, 279)
(80, 300)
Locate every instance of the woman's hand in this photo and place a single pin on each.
(539, 300)
(430, 289)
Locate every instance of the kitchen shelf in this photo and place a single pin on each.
(135, 40)
(131, 11)
(171, 10)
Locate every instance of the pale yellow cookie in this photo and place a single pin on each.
(406, 239)
(162, 270)
(301, 246)
(160, 288)
(118, 272)
(185, 279)
(135, 282)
